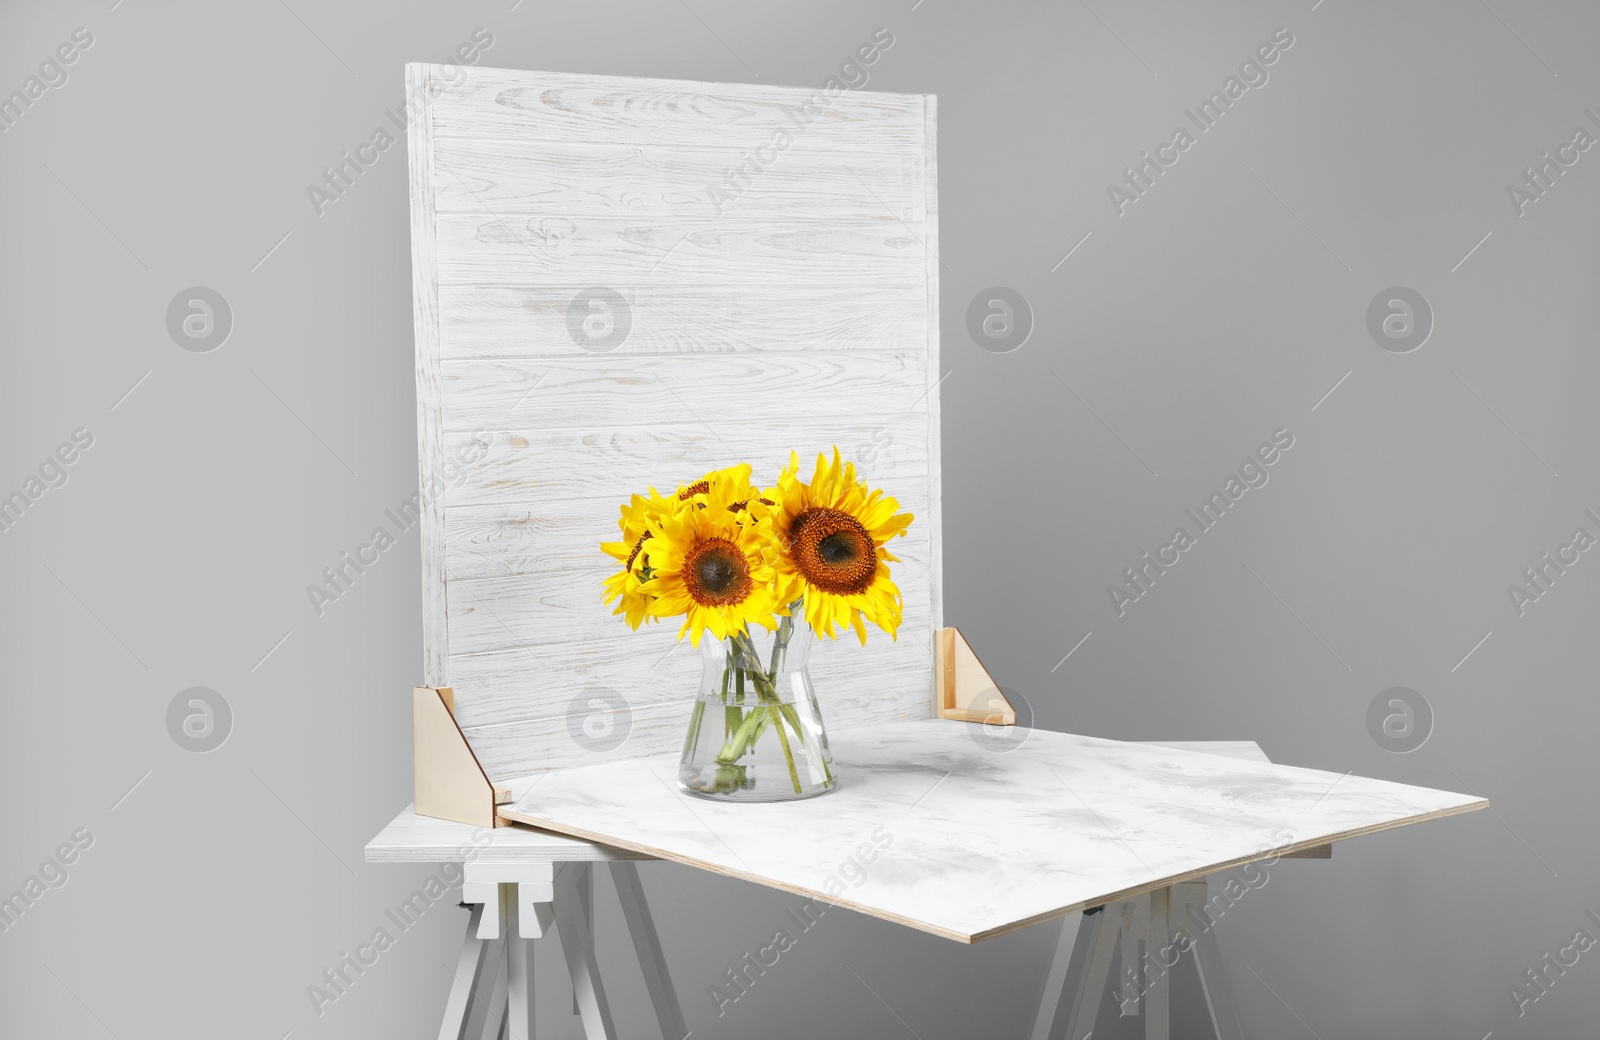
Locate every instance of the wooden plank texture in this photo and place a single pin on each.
(560, 107)
(532, 321)
(517, 465)
(430, 450)
(603, 307)
(564, 393)
(480, 249)
(503, 177)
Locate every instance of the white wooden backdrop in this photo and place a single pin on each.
(803, 314)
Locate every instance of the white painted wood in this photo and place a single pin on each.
(583, 886)
(814, 388)
(492, 925)
(410, 838)
(1157, 1017)
(430, 450)
(482, 249)
(516, 179)
(495, 1007)
(529, 892)
(482, 1004)
(531, 321)
(800, 314)
(539, 191)
(469, 966)
(536, 913)
(577, 945)
(731, 117)
(485, 892)
(1135, 926)
(928, 401)
(519, 977)
(1090, 982)
(1213, 976)
(1142, 926)
(509, 873)
(647, 944)
(515, 465)
(1055, 979)
(1023, 833)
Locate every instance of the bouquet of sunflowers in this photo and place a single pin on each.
(802, 556)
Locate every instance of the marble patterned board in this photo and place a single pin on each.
(949, 828)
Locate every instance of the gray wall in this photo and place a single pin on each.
(1219, 307)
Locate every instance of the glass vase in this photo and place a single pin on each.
(756, 733)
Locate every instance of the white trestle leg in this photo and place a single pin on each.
(1144, 928)
(577, 945)
(492, 992)
(1135, 926)
(636, 912)
(1154, 971)
(519, 974)
(494, 1005)
(583, 891)
(1091, 970)
(1055, 980)
(1208, 959)
(464, 986)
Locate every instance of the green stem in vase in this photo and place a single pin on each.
(780, 647)
(775, 709)
(780, 657)
(788, 711)
(732, 717)
(742, 738)
(788, 755)
(692, 741)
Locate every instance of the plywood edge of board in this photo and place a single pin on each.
(963, 689)
(450, 783)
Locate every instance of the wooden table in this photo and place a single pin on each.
(517, 883)
(956, 829)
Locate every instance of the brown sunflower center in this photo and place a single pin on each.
(635, 554)
(833, 551)
(716, 573)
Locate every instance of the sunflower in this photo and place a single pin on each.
(830, 536)
(736, 491)
(707, 558)
(630, 586)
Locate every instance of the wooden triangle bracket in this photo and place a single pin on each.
(450, 782)
(963, 688)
